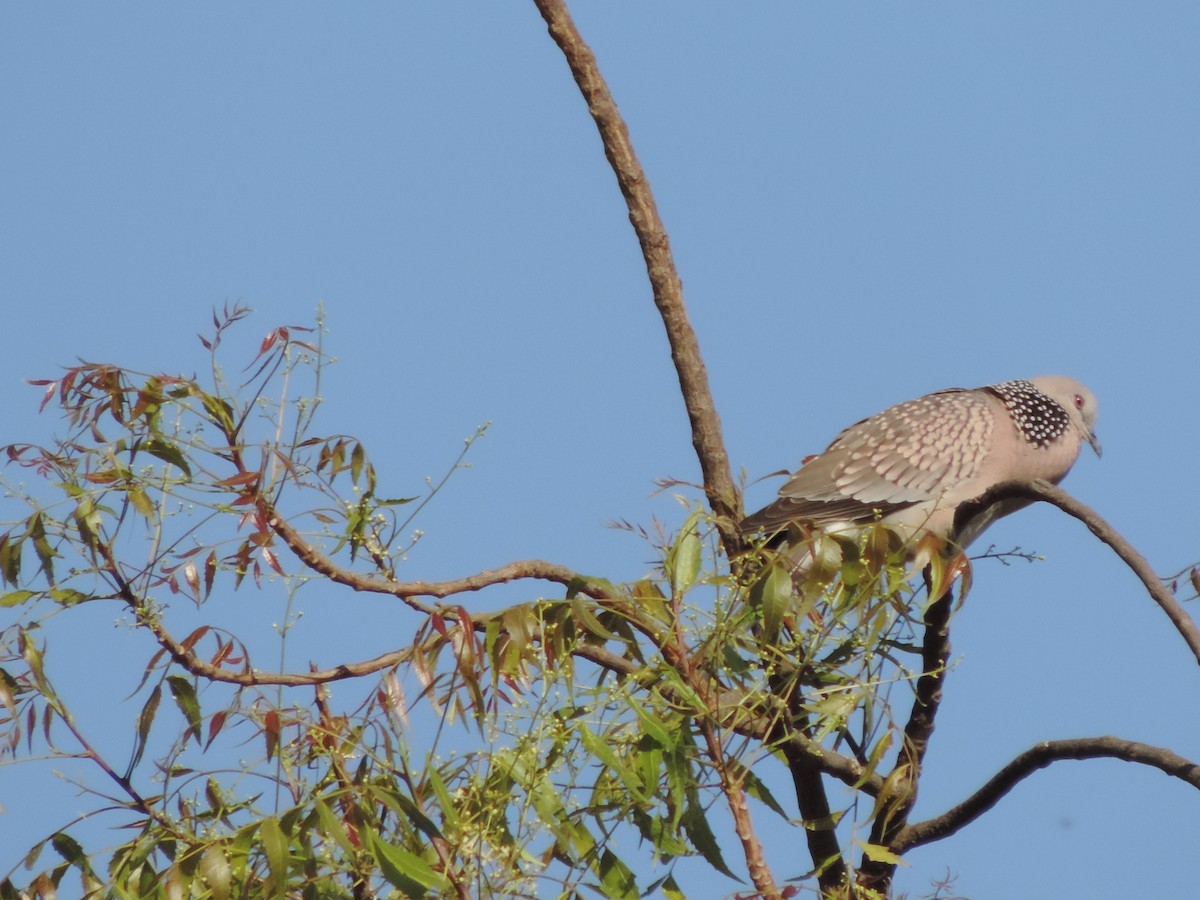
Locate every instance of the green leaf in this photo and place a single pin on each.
(184, 693)
(406, 870)
(145, 720)
(652, 726)
(68, 597)
(214, 867)
(168, 452)
(275, 846)
(332, 827)
(772, 593)
(16, 598)
(880, 854)
(615, 877)
(447, 805)
(604, 752)
(10, 560)
(695, 823)
(684, 556)
(755, 787)
(45, 553)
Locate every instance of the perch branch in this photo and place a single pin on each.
(1158, 590)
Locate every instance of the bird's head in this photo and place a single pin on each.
(1076, 399)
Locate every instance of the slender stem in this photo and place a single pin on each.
(895, 803)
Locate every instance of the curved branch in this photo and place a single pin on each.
(1158, 590)
(1038, 757)
(408, 591)
(722, 493)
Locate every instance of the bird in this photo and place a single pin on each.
(918, 466)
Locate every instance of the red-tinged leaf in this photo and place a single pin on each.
(271, 732)
(47, 721)
(192, 639)
(154, 660)
(224, 649)
(215, 724)
(269, 341)
(108, 476)
(256, 571)
(239, 480)
(51, 385)
(438, 622)
(270, 559)
(468, 629)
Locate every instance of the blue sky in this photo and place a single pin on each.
(866, 201)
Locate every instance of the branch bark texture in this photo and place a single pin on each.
(723, 497)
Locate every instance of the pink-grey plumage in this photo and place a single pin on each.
(914, 465)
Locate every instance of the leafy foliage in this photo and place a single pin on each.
(167, 491)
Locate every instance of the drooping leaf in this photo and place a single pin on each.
(616, 878)
(271, 729)
(184, 693)
(168, 452)
(145, 720)
(275, 847)
(699, 832)
(405, 870)
(214, 868)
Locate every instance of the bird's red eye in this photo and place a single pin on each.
(1079, 401)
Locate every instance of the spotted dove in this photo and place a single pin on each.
(916, 465)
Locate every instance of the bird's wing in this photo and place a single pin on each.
(911, 453)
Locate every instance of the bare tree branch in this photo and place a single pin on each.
(722, 493)
(1038, 757)
(408, 591)
(1158, 590)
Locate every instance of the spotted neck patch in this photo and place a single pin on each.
(1040, 420)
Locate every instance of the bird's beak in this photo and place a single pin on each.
(1095, 442)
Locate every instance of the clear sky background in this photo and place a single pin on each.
(867, 202)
